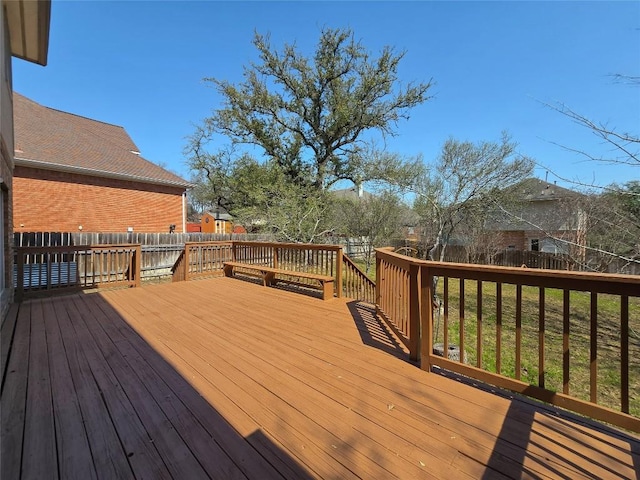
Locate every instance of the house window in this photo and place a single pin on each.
(535, 245)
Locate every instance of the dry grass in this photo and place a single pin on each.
(608, 338)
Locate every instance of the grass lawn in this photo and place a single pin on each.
(579, 344)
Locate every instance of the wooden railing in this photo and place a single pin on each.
(562, 337)
(298, 257)
(356, 284)
(41, 270)
(206, 259)
(201, 259)
(396, 281)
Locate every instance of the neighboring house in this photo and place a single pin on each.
(545, 218)
(74, 173)
(24, 33)
(353, 193)
(217, 221)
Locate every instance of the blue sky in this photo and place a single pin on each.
(141, 65)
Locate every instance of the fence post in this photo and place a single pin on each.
(426, 314)
(414, 311)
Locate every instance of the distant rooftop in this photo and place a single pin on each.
(352, 193)
(533, 189)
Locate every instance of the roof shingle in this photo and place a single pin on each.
(63, 140)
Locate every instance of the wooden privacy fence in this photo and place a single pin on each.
(202, 259)
(562, 337)
(39, 270)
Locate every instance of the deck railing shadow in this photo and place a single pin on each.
(129, 412)
(525, 426)
(374, 332)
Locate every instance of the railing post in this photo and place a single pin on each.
(186, 261)
(426, 314)
(137, 265)
(378, 280)
(339, 261)
(414, 311)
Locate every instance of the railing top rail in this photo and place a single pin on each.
(614, 284)
(212, 243)
(521, 271)
(299, 246)
(349, 262)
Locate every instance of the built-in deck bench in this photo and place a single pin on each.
(268, 276)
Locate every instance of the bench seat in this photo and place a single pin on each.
(268, 276)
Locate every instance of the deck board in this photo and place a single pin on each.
(69, 429)
(14, 397)
(108, 457)
(221, 378)
(39, 458)
(138, 447)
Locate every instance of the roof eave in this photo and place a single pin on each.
(56, 167)
(29, 22)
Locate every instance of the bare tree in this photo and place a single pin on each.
(462, 183)
(612, 226)
(624, 146)
(375, 219)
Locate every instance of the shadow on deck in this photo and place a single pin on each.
(224, 379)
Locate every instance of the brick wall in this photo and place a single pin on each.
(45, 200)
(521, 240)
(514, 238)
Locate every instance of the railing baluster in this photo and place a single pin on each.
(624, 353)
(461, 321)
(445, 315)
(593, 349)
(518, 365)
(479, 324)
(498, 327)
(541, 329)
(566, 353)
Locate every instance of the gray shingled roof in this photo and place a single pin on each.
(55, 140)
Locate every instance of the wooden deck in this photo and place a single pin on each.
(225, 379)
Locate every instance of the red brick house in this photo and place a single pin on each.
(75, 173)
(546, 218)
